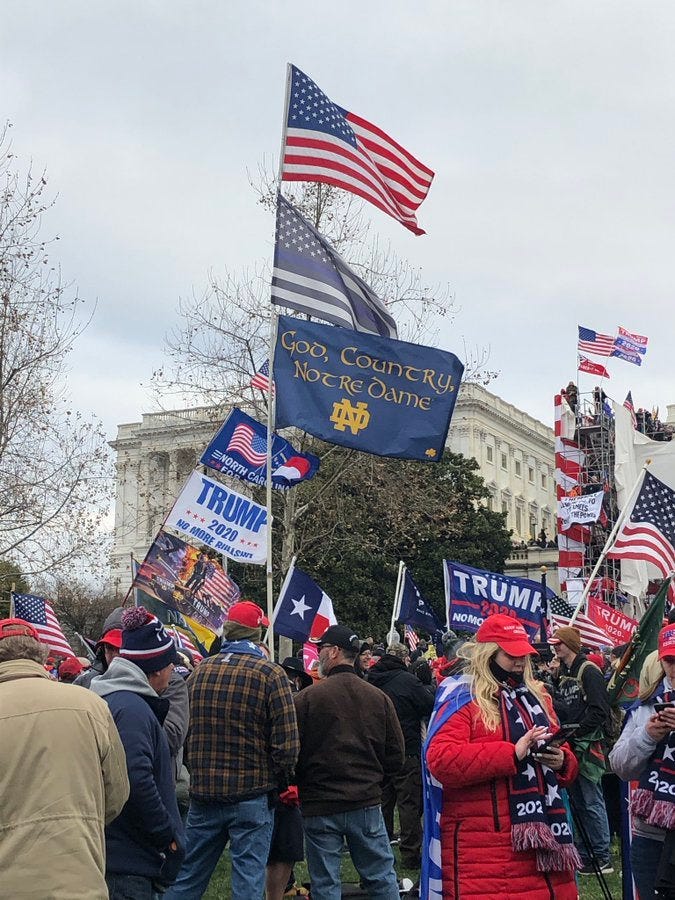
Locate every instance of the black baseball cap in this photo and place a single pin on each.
(339, 636)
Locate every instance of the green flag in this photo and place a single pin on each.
(624, 684)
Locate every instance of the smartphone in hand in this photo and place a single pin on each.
(558, 739)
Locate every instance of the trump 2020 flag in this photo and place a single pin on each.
(303, 611)
(414, 609)
(311, 277)
(323, 142)
(239, 449)
(363, 391)
(210, 513)
(474, 594)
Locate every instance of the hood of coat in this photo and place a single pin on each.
(21, 668)
(386, 668)
(122, 675)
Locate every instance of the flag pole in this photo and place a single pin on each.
(270, 402)
(268, 483)
(395, 608)
(610, 540)
(282, 591)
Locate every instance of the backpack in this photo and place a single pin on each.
(614, 721)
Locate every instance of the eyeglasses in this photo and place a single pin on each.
(669, 660)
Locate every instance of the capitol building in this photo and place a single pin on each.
(514, 451)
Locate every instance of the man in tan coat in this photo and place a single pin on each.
(63, 777)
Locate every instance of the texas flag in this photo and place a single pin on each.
(303, 611)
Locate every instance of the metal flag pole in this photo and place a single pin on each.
(397, 599)
(627, 508)
(270, 401)
(268, 483)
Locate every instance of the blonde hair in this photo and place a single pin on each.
(484, 685)
(651, 676)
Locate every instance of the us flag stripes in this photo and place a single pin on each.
(42, 617)
(248, 444)
(593, 342)
(559, 614)
(261, 379)
(411, 638)
(649, 532)
(325, 143)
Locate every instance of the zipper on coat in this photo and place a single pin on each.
(455, 871)
(495, 808)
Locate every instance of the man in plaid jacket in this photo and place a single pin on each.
(242, 748)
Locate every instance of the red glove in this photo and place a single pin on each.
(289, 797)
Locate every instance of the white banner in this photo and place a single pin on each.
(210, 513)
(580, 510)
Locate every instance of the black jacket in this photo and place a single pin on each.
(582, 700)
(412, 700)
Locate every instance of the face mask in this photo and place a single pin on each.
(513, 679)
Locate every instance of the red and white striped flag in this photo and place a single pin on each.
(560, 612)
(326, 143)
(183, 642)
(649, 531)
(261, 379)
(39, 613)
(411, 638)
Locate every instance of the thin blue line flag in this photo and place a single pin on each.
(311, 277)
(364, 391)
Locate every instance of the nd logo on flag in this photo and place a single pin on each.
(365, 391)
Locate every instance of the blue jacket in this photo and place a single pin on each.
(137, 841)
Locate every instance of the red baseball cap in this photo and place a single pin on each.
(113, 637)
(17, 628)
(70, 666)
(507, 633)
(247, 613)
(667, 641)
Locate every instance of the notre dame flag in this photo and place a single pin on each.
(364, 391)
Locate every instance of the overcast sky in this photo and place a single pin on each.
(550, 126)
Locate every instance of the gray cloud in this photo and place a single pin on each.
(549, 126)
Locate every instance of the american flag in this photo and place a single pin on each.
(41, 616)
(251, 446)
(183, 642)
(628, 403)
(411, 638)
(649, 532)
(310, 277)
(326, 143)
(593, 342)
(222, 587)
(261, 379)
(560, 612)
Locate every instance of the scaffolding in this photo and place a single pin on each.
(594, 436)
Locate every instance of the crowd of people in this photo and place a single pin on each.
(131, 781)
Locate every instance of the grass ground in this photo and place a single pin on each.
(589, 889)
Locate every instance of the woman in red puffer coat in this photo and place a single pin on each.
(504, 828)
